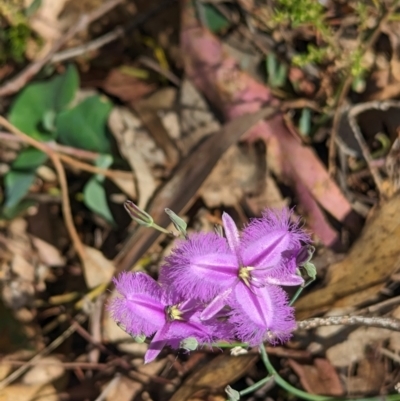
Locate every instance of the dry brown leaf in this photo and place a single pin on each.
(125, 86)
(23, 392)
(217, 374)
(125, 126)
(48, 253)
(197, 120)
(240, 172)
(45, 23)
(369, 379)
(370, 262)
(45, 371)
(319, 378)
(126, 390)
(270, 196)
(97, 269)
(156, 128)
(353, 349)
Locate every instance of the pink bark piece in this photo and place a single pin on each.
(235, 93)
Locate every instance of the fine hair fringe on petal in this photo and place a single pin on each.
(125, 311)
(187, 271)
(281, 326)
(272, 220)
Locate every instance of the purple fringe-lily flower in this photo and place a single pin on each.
(145, 308)
(242, 272)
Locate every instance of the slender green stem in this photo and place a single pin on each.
(161, 229)
(284, 384)
(312, 397)
(255, 386)
(299, 291)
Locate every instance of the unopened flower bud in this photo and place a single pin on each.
(138, 215)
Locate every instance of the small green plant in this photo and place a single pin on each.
(314, 55)
(44, 111)
(304, 12)
(13, 42)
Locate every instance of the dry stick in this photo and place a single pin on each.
(382, 322)
(92, 169)
(51, 347)
(353, 113)
(346, 87)
(65, 365)
(66, 206)
(19, 81)
(80, 153)
(69, 160)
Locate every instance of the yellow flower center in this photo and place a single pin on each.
(245, 274)
(173, 313)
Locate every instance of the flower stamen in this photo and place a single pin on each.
(173, 313)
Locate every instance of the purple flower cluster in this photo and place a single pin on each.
(214, 288)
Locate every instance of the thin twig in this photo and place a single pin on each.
(109, 37)
(346, 87)
(65, 365)
(66, 206)
(19, 81)
(68, 150)
(149, 63)
(382, 322)
(84, 154)
(51, 347)
(353, 113)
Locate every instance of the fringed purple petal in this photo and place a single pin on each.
(272, 243)
(267, 251)
(199, 267)
(231, 233)
(287, 280)
(158, 342)
(141, 298)
(261, 312)
(216, 305)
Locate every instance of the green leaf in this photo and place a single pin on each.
(94, 194)
(305, 122)
(232, 394)
(311, 270)
(178, 222)
(85, 126)
(189, 344)
(95, 198)
(32, 106)
(17, 184)
(29, 159)
(21, 176)
(10, 213)
(215, 21)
